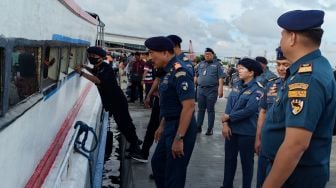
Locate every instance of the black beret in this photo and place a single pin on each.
(279, 54)
(251, 64)
(159, 44)
(175, 39)
(298, 20)
(209, 50)
(96, 50)
(261, 59)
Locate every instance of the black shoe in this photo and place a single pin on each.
(199, 129)
(209, 132)
(151, 176)
(130, 101)
(139, 157)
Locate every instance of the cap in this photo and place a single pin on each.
(175, 39)
(261, 59)
(96, 50)
(251, 64)
(159, 43)
(279, 54)
(298, 20)
(209, 50)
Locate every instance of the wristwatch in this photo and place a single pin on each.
(179, 137)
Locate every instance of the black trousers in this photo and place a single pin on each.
(153, 124)
(136, 88)
(124, 122)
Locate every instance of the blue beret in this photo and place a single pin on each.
(96, 50)
(279, 54)
(261, 59)
(175, 39)
(298, 20)
(159, 44)
(251, 64)
(209, 50)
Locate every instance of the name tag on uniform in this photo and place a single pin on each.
(297, 94)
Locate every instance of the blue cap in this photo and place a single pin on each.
(251, 64)
(261, 59)
(96, 50)
(175, 39)
(298, 20)
(279, 54)
(159, 44)
(209, 50)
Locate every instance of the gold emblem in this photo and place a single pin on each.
(297, 94)
(177, 66)
(297, 106)
(298, 86)
(181, 73)
(305, 68)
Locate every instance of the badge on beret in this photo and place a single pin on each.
(297, 106)
(184, 86)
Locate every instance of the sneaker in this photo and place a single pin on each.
(209, 132)
(139, 157)
(199, 129)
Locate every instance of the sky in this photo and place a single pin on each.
(232, 28)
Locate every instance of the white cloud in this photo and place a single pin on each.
(231, 28)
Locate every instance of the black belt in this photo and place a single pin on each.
(208, 86)
(171, 118)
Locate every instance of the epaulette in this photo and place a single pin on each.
(272, 79)
(177, 66)
(306, 68)
(260, 85)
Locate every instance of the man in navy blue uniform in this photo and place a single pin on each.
(113, 98)
(267, 74)
(209, 77)
(177, 131)
(265, 103)
(297, 134)
(178, 52)
(239, 122)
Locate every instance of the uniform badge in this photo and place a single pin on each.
(177, 65)
(184, 86)
(260, 95)
(305, 68)
(298, 86)
(297, 94)
(297, 106)
(181, 73)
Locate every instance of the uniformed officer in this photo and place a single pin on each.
(177, 131)
(239, 122)
(297, 134)
(265, 103)
(209, 75)
(267, 75)
(113, 98)
(178, 52)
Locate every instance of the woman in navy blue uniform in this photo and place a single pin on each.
(240, 122)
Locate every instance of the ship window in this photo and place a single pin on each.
(2, 62)
(25, 68)
(72, 59)
(64, 60)
(50, 67)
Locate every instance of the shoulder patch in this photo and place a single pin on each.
(305, 68)
(181, 73)
(298, 86)
(177, 66)
(297, 94)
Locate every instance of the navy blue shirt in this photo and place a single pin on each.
(176, 86)
(307, 100)
(265, 77)
(242, 107)
(269, 98)
(209, 73)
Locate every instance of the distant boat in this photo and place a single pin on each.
(41, 96)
